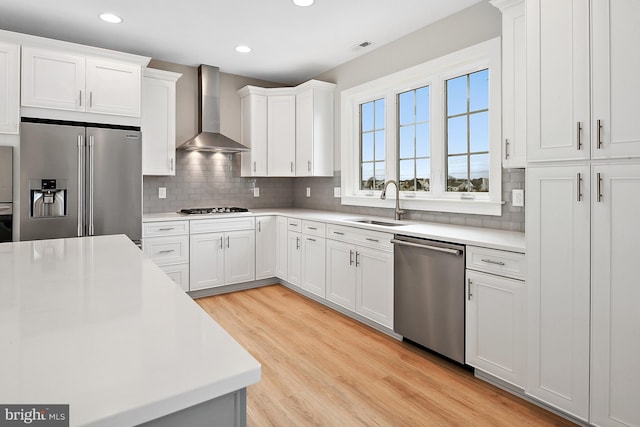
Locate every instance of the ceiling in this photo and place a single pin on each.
(290, 44)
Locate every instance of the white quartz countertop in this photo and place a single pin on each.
(495, 239)
(88, 322)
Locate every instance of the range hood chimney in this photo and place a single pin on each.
(209, 137)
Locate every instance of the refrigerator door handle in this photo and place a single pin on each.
(80, 183)
(90, 190)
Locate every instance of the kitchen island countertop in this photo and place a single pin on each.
(88, 322)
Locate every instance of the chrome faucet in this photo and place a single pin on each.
(398, 212)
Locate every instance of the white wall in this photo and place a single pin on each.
(468, 27)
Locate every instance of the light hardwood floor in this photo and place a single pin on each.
(322, 368)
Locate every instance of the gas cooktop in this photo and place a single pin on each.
(206, 211)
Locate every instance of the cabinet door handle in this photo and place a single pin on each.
(259, 227)
(80, 98)
(599, 187)
(90, 99)
(254, 166)
(506, 148)
(351, 257)
(579, 179)
(357, 258)
(469, 294)
(489, 261)
(309, 165)
(171, 165)
(221, 247)
(168, 251)
(579, 135)
(291, 167)
(297, 243)
(598, 134)
(227, 241)
(373, 240)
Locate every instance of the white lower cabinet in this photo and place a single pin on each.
(265, 245)
(312, 277)
(294, 257)
(167, 244)
(222, 252)
(360, 276)
(282, 247)
(495, 319)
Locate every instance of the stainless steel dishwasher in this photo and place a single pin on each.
(429, 292)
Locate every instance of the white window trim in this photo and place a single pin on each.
(433, 73)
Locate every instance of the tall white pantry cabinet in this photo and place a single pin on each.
(583, 183)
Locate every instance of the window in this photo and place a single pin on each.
(413, 140)
(434, 128)
(372, 146)
(468, 132)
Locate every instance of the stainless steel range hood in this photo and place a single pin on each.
(209, 137)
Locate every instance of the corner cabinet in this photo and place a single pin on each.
(289, 130)
(514, 75)
(68, 81)
(9, 88)
(158, 122)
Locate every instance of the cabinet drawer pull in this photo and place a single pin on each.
(489, 261)
(312, 228)
(373, 240)
(293, 224)
(166, 229)
(168, 251)
(310, 239)
(338, 233)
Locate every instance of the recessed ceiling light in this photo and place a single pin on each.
(303, 3)
(243, 49)
(111, 18)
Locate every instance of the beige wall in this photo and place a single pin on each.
(187, 100)
(468, 27)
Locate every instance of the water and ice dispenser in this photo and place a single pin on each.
(48, 198)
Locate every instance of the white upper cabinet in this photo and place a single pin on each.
(9, 88)
(67, 81)
(52, 79)
(113, 88)
(514, 75)
(158, 122)
(314, 129)
(615, 68)
(289, 130)
(281, 135)
(253, 116)
(570, 115)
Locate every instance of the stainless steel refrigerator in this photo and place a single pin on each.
(79, 181)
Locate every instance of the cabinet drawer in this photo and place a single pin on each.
(222, 225)
(503, 263)
(179, 273)
(314, 228)
(294, 224)
(167, 249)
(165, 228)
(372, 239)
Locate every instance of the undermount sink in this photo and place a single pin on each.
(377, 222)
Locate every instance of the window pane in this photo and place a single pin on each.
(422, 104)
(423, 141)
(479, 90)
(379, 182)
(379, 120)
(367, 147)
(422, 175)
(367, 176)
(366, 116)
(479, 132)
(379, 145)
(457, 173)
(406, 103)
(407, 142)
(479, 165)
(457, 135)
(407, 175)
(457, 96)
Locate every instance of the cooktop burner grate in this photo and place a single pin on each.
(205, 211)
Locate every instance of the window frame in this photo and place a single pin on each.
(434, 74)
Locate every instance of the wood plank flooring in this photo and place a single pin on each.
(322, 368)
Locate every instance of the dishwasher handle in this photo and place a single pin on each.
(432, 248)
